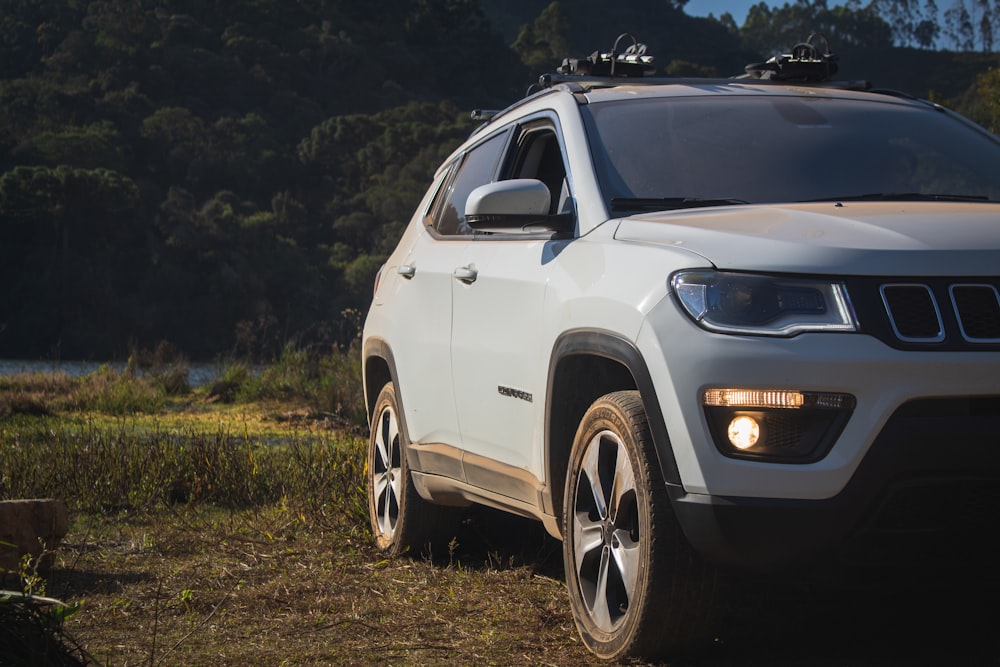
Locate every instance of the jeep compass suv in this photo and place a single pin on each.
(697, 326)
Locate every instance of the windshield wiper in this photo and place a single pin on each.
(668, 203)
(902, 196)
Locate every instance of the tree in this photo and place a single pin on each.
(772, 31)
(984, 107)
(544, 43)
(958, 26)
(927, 30)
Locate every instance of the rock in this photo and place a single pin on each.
(30, 526)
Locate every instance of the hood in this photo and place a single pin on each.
(849, 238)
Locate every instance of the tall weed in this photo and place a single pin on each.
(115, 392)
(328, 382)
(124, 466)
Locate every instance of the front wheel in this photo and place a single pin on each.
(635, 586)
(401, 521)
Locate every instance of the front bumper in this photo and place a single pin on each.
(914, 475)
(926, 494)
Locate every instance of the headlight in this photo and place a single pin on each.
(743, 303)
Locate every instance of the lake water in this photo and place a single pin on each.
(198, 374)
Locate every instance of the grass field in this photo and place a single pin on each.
(227, 525)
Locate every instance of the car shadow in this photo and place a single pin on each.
(859, 625)
(850, 622)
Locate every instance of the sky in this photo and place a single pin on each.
(738, 8)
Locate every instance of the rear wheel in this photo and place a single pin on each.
(401, 521)
(635, 586)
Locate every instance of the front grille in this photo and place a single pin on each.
(940, 313)
(978, 311)
(913, 312)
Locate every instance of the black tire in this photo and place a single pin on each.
(636, 587)
(402, 522)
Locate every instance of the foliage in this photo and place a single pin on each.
(983, 104)
(545, 41)
(176, 171)
(229, 177)
(139, 464)
(327, 382)
(769, 31)
(31, 632)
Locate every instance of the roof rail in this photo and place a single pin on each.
(585, 83)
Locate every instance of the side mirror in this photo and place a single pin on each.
(518, 205)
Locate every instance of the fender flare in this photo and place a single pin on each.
(612, 346)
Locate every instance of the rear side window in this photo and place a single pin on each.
(478, 167)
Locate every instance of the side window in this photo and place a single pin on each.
(538, 156)
(477, 169)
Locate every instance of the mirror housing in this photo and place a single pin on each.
(519, 205)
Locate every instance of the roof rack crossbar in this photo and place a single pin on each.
(589, 82)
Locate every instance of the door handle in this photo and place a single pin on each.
(467, 274)
(407, 271)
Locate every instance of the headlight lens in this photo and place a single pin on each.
(745, 303)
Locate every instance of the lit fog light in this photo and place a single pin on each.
(744, 432)
(776, 425)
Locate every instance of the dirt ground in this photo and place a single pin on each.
(213, 587)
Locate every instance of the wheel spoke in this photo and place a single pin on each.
(387, 510)
(626, 558)
(599, 609)
(587, 538)
(623, 485)
(593, 468)
(386, 472)
(389, 437)
(624, 515)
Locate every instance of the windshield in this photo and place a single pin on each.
(662, 153)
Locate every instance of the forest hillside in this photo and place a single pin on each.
(228, 176)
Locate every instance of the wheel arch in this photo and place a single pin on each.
(378, 367)
(586, 364)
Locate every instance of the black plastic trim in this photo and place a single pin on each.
(616, 348)
(378, 348)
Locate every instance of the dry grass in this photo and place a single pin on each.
(242, 575)
(237, 574)
(221, 588)
(203, 586)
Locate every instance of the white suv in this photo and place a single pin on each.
(694, 326)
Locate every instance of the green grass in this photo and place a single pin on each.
(327, 383)
(113, 441)
(138, 463)
(228, 525)
(116, 446)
